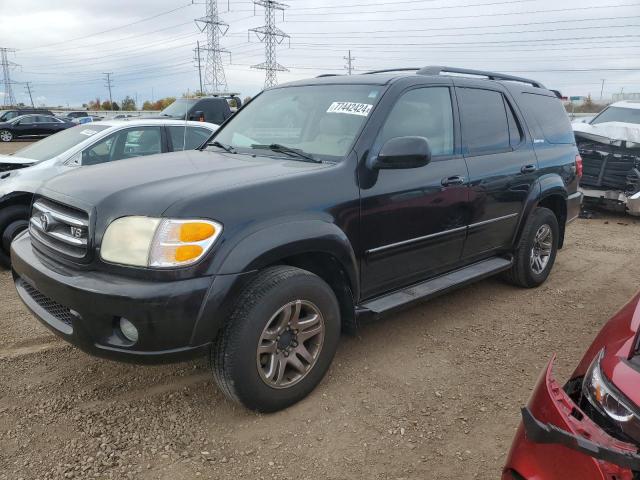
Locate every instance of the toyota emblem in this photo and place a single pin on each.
(45, 221)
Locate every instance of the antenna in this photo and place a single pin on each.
(271, 36)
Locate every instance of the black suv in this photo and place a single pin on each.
(320, 204)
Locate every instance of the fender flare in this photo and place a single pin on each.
(268, 245)
(545, 186)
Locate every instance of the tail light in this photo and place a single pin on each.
(579, 166)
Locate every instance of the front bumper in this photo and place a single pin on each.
(175, 320)
(556, 440)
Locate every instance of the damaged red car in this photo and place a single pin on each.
(590, 428)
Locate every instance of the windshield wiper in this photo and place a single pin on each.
(295, 152)
(226, 148)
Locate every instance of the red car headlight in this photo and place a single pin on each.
(609, 402)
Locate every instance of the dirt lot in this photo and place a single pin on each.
(433, 392)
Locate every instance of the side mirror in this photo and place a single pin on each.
(403, 152)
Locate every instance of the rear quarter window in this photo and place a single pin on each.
(549, 115)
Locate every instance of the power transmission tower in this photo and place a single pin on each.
(349, 65)
(27, 85)
(197, 59)
(214, 78)
(109, 85)
(271, 36)
(9, 98)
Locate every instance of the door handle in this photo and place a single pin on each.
(529, 168)
(455, 180)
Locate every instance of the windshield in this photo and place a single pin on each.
(320, 120)
(178, 108)
(59, 143)
(618, 114)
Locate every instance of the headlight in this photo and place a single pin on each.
(609, 402)
(157, 242)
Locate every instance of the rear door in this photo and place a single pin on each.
(502, 165)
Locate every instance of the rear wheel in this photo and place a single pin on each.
(6, 135)
(279, 341)
(13, 220)
(536, 252)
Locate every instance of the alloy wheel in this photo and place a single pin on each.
(541, 249)
(6, 136)
(290, 344)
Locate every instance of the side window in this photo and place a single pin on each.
(28, 120)
(100, 152)
(550, 115)
(515, 130)
(195, 137)
(43, 119)
(129, 143)
(9, 116)
(213, 111)
(423, 112)
(483, 118)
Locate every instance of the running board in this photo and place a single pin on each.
(436, 286)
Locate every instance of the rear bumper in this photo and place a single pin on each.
(574, 205)
(176, 320)
(556, 440)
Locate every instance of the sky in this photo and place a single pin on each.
(64, 47)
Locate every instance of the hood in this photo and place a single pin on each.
(8, 163)
(609, 132)
(619, 338)
(150, 185)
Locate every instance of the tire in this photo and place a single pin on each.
(13, 220)
(243, 374)
(6, 135)
(526, 271)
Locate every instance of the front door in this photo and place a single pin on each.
(502, 167)
(414, 221)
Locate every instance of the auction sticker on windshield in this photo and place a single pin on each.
(350, 108)
(88, 133)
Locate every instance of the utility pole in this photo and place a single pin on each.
(109, 85)
(214, 77)
(28, 87)
(602, 88)
(197, 51)
(9, 98)
(271, 36)
(349, 65)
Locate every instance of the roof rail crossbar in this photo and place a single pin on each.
(391, 70)
(322, 75)
(437, 70)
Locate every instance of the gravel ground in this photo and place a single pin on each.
(433, 392)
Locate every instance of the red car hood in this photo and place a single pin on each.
(619, 338)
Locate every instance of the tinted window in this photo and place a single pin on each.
(485, 128)
(424, 112)
(215, 110)
(550, 116)
(195, 137)
(45, 119)
(9, 116)
(27, 120)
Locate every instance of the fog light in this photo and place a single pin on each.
(129, 330)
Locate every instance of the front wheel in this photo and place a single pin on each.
(536, 252)
(6, 135)
(13, 220)
(279, 341)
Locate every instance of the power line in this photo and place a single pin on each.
(114, 28)
(214, 77)
(271, 36)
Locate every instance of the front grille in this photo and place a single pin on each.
(59, 227)
(60, 312)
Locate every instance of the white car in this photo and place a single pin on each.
(610, 148)
(22, 173)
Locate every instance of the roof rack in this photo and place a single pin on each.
(391, 70)
(437, 70)
(328, 75)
